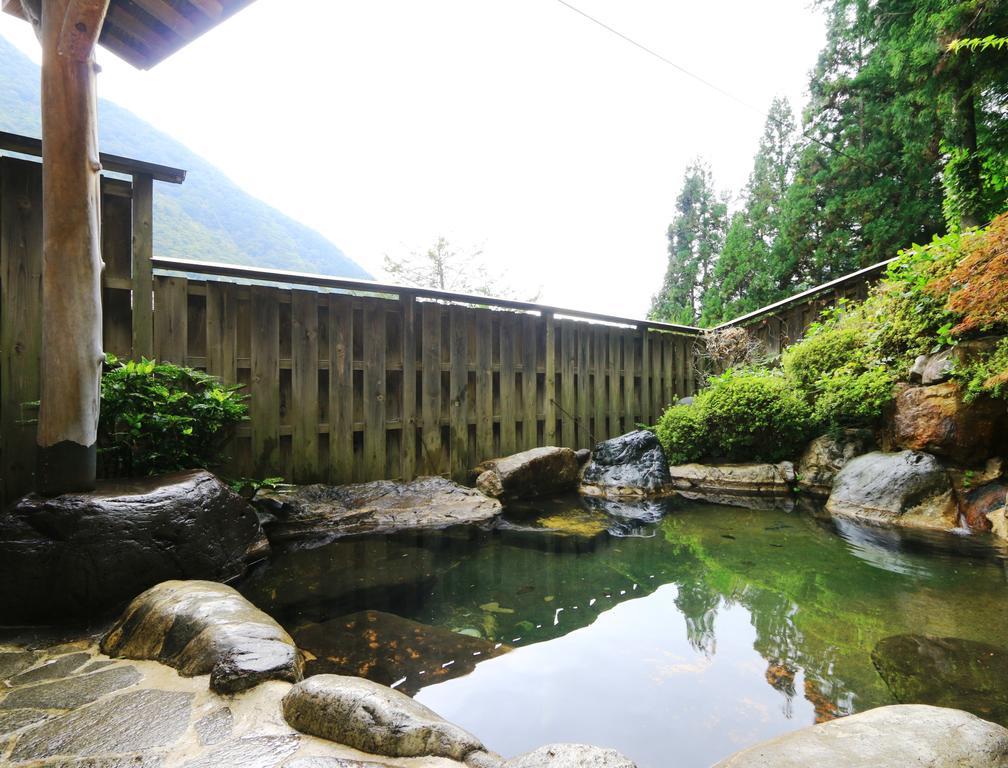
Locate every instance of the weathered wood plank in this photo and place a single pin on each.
(568, 364)
(630, 416)
(304, 385)
(668, 365)
(550, 364)
(484, 386)
(407, 305)
(222, 331)
(374, 389)
(656, 342)
(599, 396)
(529, 326)
(264, 381)
(645, 377)
(340, 389)
(20, 319)
(430, 390)
(142, 265)
(508, 331)
(583, 386)
(459, 392)
(615, 405)
(171, 316)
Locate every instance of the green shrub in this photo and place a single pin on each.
(826, 347)
(159, 417)
(681, 433)
(741, 416)
(985, 374)
(850, 396)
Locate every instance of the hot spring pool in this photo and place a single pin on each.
(678, 641)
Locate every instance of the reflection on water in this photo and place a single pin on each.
(675, 639)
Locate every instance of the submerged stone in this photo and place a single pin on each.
(905, 488)
(84, 553)
(201, 627)
(631, 465)
(571, 756)
(888, 737)
(722, 483)
(326, 512)
(537, 472)
(945, 672)
(373, 718)
(386, 648)
(129, 722)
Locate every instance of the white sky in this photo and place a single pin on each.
(518, 127)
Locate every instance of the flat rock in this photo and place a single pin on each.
(897, 736)
(250, 752)
(906, 489)
(201, 627)
(827, 455)
(78, 555)
(385, 648)
(537, 472)
(936, 420)
(374, 719)
(570, 756)
(128, 722)
(326, 512)
(724, 483)
(945, 672)
(71, 692)
(632, 465)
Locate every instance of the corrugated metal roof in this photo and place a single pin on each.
(146, 32)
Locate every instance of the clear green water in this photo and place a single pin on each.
(676, 642)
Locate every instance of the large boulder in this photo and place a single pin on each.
(826, 455)
(570, 756)
(387, 648)
(200, 627)
(945, 672)
(906, 488)
(731, 483)
(373, 718)
(935, 419)
(526, 475)
(978, 504)
(898, 736)
(81, 554)
(632, 465)
(326, 512)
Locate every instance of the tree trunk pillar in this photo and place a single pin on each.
(71, 258)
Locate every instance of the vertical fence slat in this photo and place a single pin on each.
(645, 377)
(549, 401)
(340, 389)
(430, 405)
(171, 313)
(568, 361)
(484, 386)
(599, 397)
(407, 304)
(668, 363)
(304, 380)
(264, 385)
(507, 384)
(614, 383)
(459, 389)
(583, 411)
(374, 389)
(629, 371)
(529, 379)
(222, 331)
(20, 319)
(142, 265)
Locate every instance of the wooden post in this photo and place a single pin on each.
(71, 259)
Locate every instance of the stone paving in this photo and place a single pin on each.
(65, 705)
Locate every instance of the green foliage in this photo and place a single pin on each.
(978, 43)
(985, 375)
(852, 396)
(742, 416)
(680, 430)
(159, 417)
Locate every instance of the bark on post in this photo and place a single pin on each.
(71, 259)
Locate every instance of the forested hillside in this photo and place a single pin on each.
(904, 137)
(207, 218)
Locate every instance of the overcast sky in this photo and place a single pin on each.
(517, 126)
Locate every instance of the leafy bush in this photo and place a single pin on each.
(826, 347)
(852, 397)
(680, 431)
(985, 374)
(159, 417)
(741, 416)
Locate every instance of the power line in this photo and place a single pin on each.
(702, 80)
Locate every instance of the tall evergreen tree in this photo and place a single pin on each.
(753, 270)
(696, 237)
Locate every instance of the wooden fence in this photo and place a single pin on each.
(785, 322)
(347, 380)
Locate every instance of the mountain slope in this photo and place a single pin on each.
(208, 218)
